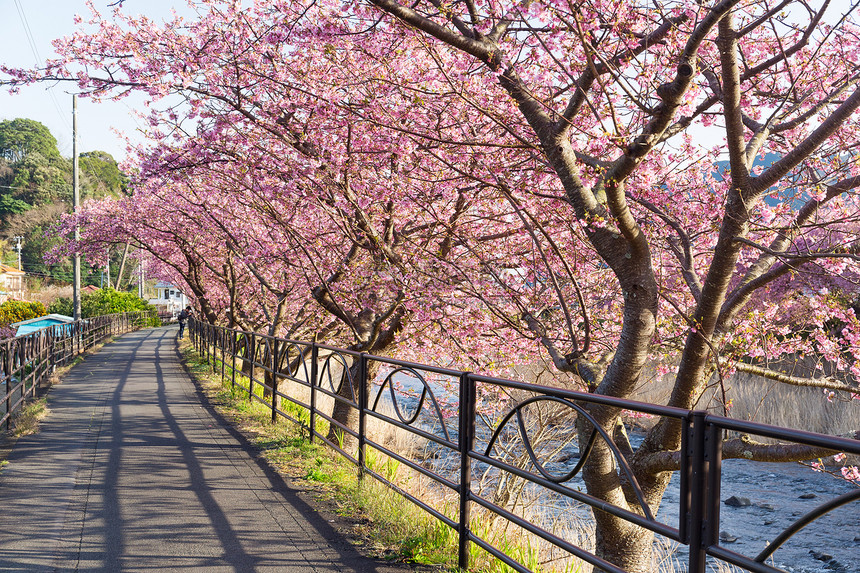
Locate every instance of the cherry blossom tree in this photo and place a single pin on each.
(607, 183)
(611, 95)
(299, 203)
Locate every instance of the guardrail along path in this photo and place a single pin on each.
(131, 472)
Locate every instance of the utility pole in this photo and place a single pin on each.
(140, 279)
(18, 248)
(76, 194)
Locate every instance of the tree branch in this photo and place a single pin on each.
(826, 383)
(741, 448)
(802, 150)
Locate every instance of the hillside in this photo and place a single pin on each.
(36, 189)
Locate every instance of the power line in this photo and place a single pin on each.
(31, 40)
(28, 31)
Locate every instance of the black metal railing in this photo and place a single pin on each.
(27, 361)
(466, 436)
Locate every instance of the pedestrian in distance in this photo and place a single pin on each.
(183, 318)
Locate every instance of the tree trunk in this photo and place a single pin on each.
(345, 411)
(122, 266)
(620, 542)
(629, 547)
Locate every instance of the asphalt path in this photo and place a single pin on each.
(131, 471)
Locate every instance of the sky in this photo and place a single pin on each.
(27, 28)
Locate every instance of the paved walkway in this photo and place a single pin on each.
(130, 472)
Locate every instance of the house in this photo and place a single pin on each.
(168, 298)
(11, 283)
(56, 320)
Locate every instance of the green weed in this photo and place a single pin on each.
(26, 421)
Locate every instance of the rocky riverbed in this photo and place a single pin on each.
(761, 500)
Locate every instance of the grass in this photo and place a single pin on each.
(26, 421)
(394, 521)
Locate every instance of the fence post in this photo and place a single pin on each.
(19, 364)
(274, 361)
(466, 443)
(252, 354)
(43, 358)
(314, 372)
(214, 339)
(713, 458)
(233, 353)
(7, 367)
(362, 406)
(52, 352)
(699, 482)
(222, 340)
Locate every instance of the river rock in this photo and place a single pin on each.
(736, 501)
(765, 506)
(820, 556)
(727, 537)
(807, 496)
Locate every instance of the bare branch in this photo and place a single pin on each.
(748, 449)
(683, 252)
(741, 448)
(849, 252)
(802, 150)
(825, 383)
(762, 271)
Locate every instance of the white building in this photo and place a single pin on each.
(11, 283)
(168, 298)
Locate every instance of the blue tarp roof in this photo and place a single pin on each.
(34, 324)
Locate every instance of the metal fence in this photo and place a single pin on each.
(445, 410)
(27, 362)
